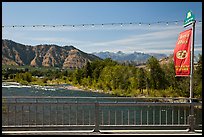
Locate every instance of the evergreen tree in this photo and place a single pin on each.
(87, 70)
(141, 78)
(156, 75)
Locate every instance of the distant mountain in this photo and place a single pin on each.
(135, 57)
(44, 55)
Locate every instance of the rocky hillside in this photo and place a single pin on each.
(44, 55)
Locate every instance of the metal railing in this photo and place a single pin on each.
(35, 113)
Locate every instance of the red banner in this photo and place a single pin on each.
(182, 54)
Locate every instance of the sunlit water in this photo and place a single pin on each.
(21, 90)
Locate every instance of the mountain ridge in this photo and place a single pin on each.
(51, 55)
(137, 57)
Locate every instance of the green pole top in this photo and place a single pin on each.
(190, 18)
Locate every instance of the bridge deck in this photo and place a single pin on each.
(105, 132)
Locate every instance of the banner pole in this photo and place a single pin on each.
(191, 118)
(192, 62)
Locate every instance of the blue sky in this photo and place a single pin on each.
(156, 38)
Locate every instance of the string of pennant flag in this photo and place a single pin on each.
(102, 24)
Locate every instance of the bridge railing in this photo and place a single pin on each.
(35, 113)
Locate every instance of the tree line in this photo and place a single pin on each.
(109, 76)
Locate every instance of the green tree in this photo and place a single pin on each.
(77, 76)
(198, 78)
(105, 78)
(97, 66)
(87, 70)
(182, 86)
(18, 77)
(109, 62)
(169, 71)
(27, 77)
(141, 79)
(156, 74)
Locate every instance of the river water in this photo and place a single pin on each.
(15, 89)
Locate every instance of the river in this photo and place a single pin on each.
(15, 89)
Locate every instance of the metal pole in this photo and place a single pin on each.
(192, 62)
(191, 117)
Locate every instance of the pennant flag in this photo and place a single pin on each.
(182, 54)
